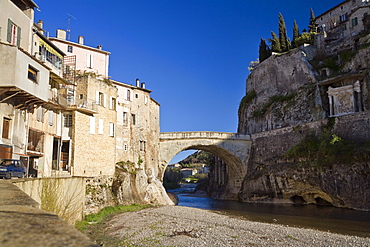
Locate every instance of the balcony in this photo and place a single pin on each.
(57, 97)
(84, 105)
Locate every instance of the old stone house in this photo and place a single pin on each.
(339, 26)
(111, 121)
(32, 91)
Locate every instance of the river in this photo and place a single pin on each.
(324, 218)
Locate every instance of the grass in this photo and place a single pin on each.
(272, 100)
(105, 214)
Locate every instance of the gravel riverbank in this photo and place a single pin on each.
(183, 226)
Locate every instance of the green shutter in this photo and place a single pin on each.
(18, 36)
(9, 34)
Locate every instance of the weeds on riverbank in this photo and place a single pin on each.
(105, 214)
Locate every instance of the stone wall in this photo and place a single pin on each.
(63, 196)
(274, 178)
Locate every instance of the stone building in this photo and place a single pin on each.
(339, 26)
(32, 92)
(116, 120)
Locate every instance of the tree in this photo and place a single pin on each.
(312, 26)
(283, 37)
(295, 34)
(264, 51)
(275, 43)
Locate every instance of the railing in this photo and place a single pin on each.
(58, 97)
(84, 104)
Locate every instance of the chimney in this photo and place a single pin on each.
(40, 23)
(137, 82)
(61, 34)
(81, 40)
(143, 85)
(100, 47)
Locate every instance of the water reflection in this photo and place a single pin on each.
(323, 218)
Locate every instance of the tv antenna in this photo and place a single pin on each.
(69, 26)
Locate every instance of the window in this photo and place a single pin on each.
(32, 74)
(343, 17)
(133, 118)
(101, 126)
(124, 118)
(70, 49)
(113, 103)
(100, 99)
(89, 61)
(81, 96)
(68, 120)
(136, 96)
(354, 22)
(142, 145)
(51, 117)
(14, 33)
(111, 129)
(40, 114)
(128, 95)
(6, 128)
(92, 125)
(145, 100)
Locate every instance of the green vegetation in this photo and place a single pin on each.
(283, 36)
(247, 99)
(282, 43)
(172, 178)
(264, 51)
(272, 100)
(329, 149)
(105, 214)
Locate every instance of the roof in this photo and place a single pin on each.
(50, 43)
(78, 45)
(336, 6)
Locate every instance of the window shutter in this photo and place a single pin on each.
(91, 61)
(101, 126)
(9, 33)
(111, 129)
(18, 36)
(110, 102)
(92, 125)
(104, 99)
(97, 98)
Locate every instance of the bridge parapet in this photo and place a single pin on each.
(203, 135)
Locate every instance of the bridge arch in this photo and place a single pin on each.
(232, 148)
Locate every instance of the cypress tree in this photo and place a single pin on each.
(312, 26)
(283, 37)
(295, 34)
(264, 51)
(275, 43)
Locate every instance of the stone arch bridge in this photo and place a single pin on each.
(232, 148)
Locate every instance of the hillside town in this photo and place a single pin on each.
(81, 141)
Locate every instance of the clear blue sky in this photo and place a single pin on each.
(193, 54)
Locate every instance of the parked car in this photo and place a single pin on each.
(12, 168)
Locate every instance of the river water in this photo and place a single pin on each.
(324, 218)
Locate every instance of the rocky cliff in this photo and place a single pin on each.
(310, 127)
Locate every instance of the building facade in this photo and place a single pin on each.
(32, 92)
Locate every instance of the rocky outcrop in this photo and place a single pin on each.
(337, 185)
(287, 101)
(128, 186)
(282, 91)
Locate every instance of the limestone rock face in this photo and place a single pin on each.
(285, 94)
(340, 185)
(138, 187)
